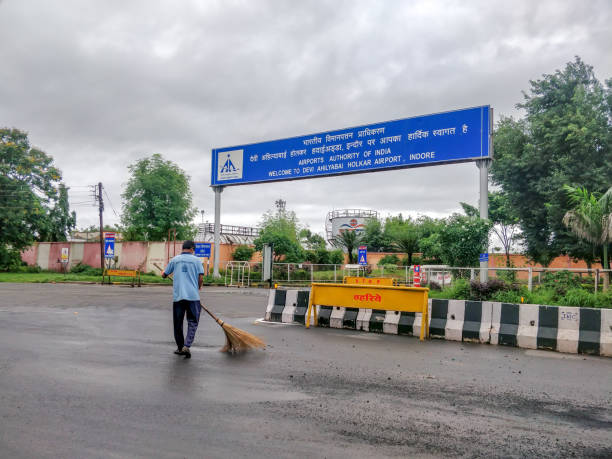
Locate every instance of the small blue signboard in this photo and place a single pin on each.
(202, 249)
(450, 137)
(109, 247)
(484, 257)
(362, 255)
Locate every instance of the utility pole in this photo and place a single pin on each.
(101, 209)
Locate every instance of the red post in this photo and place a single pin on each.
(416, 276)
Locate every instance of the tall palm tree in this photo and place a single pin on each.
(349, 240)
(591, 220)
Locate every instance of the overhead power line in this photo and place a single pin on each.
(110, 202)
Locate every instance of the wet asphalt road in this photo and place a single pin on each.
(88, 371)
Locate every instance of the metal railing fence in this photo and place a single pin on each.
(304, 273)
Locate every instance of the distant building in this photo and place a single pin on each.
(90, 236)
(230, 234)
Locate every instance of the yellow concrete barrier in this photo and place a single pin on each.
(385, 297)
(368, 280)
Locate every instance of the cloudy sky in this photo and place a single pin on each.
(100, 84)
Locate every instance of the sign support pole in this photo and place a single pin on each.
(483, 203)
(101, 210)
(217, 238)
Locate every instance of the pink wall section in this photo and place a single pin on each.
(29, 255)
(91, 254)
(133, 255)
(55, 255)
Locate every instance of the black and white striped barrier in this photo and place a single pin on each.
(558, 328)
(563, 329)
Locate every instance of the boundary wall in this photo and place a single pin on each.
(557, 328)
(136, 255)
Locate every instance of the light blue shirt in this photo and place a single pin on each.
(186, 268)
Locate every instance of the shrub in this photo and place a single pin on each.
(243, 253)
(389, 260)
(87, 270)
(485, 290)
(561, 282)
(541, 296)
(433, 285)
(79, 268)
(336, 257)
(579, 297)
(507, 296)
(603, 299)
(460, 290)
(29, 269)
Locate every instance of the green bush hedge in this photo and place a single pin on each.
(558, 290)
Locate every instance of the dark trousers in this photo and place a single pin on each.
(179, 308)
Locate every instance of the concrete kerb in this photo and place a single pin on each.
(557, 328)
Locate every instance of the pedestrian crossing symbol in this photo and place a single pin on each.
(229, 165)
(109, 248)
(362, 255)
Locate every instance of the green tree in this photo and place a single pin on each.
(374, 237)
(462, 239)
(243, 253)
(310, 240)
(591, 220)
(504, 219)
(429, 242)
(157, 198)
(320, 256)
(33, 200)
(349, 241)
(281, 229)
(564, 138)
(403, 234)
(59, 220)
(336, 257)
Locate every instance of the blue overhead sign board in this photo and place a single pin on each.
(450, 137)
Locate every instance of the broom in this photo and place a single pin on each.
(236, 340)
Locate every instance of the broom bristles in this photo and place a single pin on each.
(237, 340)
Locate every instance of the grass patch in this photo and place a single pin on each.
(55, 277)
(50, 276)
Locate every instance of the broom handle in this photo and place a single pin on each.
(219, 321)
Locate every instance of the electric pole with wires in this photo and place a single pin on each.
(100, 201)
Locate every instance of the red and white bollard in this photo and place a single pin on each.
(416, 276)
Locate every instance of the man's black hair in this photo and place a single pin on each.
(188, 245)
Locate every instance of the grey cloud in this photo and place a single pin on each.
(101, 84)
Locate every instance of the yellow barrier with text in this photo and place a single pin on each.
(135, 275)
(384, 297)
(368, 280)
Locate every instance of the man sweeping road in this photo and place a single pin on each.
(187, 281)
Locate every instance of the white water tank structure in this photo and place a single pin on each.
(338, 221)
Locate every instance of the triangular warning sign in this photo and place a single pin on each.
(362, 259)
